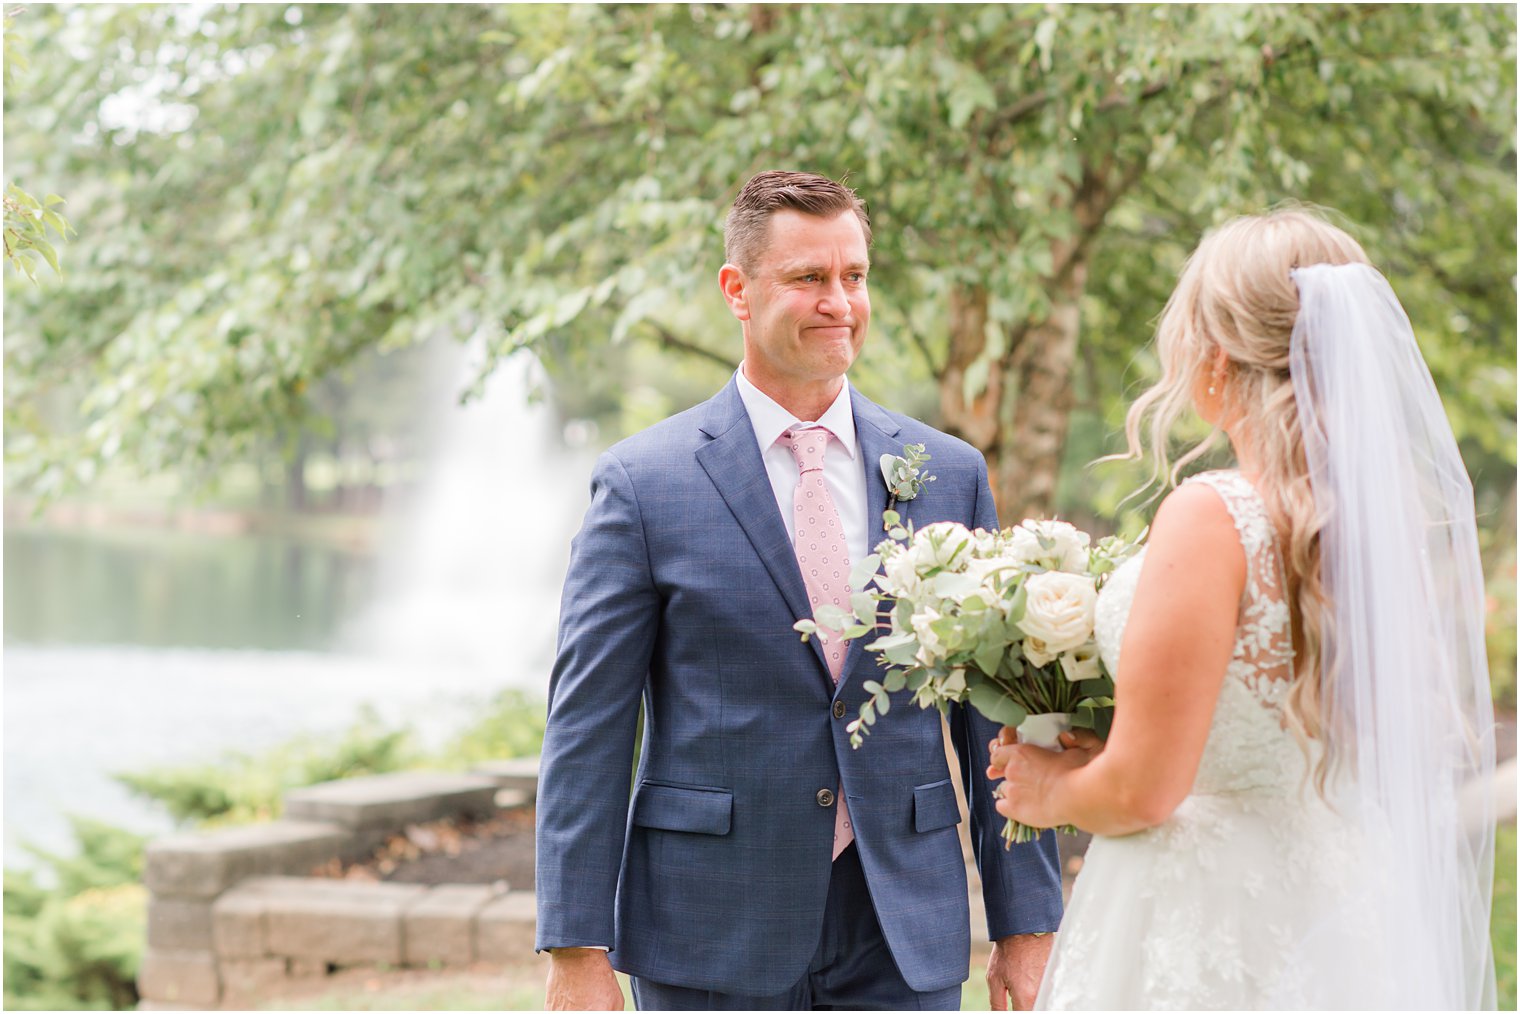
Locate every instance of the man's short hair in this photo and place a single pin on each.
(748, 223)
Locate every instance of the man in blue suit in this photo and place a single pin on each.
(760, 863)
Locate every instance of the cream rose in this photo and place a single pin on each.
(1081, 663)
(929, 646)
(942, 544)
(1069, 552)
(901, 570)
(1058, 614)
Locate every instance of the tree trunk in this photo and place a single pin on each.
(974, 421)
(296, 498)
(1027, 465)
(1018, 417)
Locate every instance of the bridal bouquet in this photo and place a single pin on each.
(1001, 620)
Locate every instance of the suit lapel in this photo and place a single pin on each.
(732, 461)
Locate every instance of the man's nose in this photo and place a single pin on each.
(833, 301)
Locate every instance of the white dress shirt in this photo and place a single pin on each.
(842, 468)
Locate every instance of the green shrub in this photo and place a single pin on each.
(511, 726)
(1503, 921)
(1500, 626)
(243, 788)
(77, 945)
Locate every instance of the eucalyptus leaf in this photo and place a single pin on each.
(995, 706)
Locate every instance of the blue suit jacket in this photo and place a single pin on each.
(713, 873)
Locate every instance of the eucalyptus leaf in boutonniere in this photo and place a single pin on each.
(904, 474)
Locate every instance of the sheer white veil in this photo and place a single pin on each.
(1407, 699)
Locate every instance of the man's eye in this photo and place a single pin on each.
(810, 278)
(856, 276)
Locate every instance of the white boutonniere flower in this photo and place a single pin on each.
(904, 474)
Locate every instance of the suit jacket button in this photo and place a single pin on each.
(825, 797)
(839, 709)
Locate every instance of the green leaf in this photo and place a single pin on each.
(894, 680)
(987, 699)
(988, 655)
(863, 605)
(831, 616)
(862, 572)
(1095, 687)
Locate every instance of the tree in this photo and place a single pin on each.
(299, 184)
(28, 220)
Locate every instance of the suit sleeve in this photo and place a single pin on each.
(609, 619)
(1021, 886)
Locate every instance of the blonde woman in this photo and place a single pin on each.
(1289, 811)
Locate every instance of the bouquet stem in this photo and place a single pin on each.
(1042, 731)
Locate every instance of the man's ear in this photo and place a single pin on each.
(732, 281)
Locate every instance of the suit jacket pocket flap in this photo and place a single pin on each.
(683, 808)
(934, 806)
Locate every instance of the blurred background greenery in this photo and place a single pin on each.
(256, 253)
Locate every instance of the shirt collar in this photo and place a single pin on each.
(770, 420)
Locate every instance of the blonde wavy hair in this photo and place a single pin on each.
(1235, 294)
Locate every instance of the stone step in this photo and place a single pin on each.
(391, 801)
(346, 922)
(202, 864)
(519, 773)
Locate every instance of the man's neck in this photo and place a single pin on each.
(806, 401)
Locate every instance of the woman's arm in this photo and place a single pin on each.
(1176, 648)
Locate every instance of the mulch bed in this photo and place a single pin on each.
(497, 850)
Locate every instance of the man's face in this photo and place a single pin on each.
(804, 304)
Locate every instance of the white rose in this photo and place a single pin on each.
(1069, 552)
(943, 544)
(989, 571)
(1081, 663)
(1033, 651)
(1058, 613)
(901, 570)
(929, 646)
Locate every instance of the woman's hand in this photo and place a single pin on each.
(1029, 774)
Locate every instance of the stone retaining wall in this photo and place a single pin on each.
(231, 913)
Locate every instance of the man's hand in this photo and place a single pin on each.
(1015, 969)
(581, 978)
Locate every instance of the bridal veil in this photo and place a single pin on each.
(1407, 698)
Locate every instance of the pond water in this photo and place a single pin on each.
(131, 650)
(126, 649)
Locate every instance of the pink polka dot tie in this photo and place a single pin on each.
(825, 561)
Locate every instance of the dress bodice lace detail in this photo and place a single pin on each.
(1248, 746)
(1208, 910)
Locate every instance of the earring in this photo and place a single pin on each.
(1212, 391)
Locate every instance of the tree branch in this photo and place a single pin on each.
(670, 340)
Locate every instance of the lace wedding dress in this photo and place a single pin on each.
(1247, 897)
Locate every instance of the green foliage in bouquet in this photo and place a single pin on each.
(1002, 621)
(954, 608)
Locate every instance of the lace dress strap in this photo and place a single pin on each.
(1265, 639)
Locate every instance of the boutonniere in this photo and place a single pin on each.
(905, 476)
